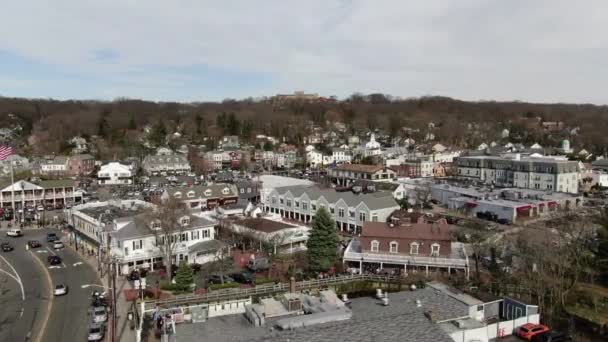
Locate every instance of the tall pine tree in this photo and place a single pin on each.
(184, 276)
(322, 242)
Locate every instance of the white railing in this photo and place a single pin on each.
(405, 259)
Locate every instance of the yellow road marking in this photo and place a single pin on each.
(50, 303)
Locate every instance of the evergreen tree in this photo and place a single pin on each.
(221, 120)
(233, 125)
(198, 119)
(184, 276)
(247, 129)
(601, 249)
(268, 146)
(323, 241)
(102, 126)
(159, 133)
(132, 124)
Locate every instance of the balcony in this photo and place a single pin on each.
(457, 259)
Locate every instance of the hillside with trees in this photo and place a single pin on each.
(118, 124)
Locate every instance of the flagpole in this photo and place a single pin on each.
(13, 192)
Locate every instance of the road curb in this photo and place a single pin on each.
(49, 307)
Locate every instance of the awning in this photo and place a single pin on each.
(524, 208)
(470, 204)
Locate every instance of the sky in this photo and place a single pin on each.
(198, 50)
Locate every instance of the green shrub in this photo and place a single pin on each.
(261, 280)
(223, 286)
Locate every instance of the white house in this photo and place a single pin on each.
(115, 173)
(55, 166)
(127, 229)
(314, 158)
(372, 148)
(341, 155)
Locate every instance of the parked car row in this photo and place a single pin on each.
(98, 316)
(490, 216)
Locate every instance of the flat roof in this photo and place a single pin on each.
(264, 225)
(401, 320)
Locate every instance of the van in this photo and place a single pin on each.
(259, 264)
(14, 232)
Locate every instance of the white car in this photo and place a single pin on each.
(14, 232)
(60, 290)
(98, 314)
(40, 208)
(96, 331)
(57, 245)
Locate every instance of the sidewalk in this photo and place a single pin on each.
(123, 328)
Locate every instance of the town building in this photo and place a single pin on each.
(19, 164)
(126, 233)
(115, 173)
(511, 204)
(297, 96)
(273, 231)
(159, 165)
(81, 165)
(204, 197)
(314, 158)
(348, 209)
(403, 245)
(56, 166)
(529, 172)
(229, 143)
(347, 173)
(57, 193)
(372, 147)
(248, 190)
(341, 156)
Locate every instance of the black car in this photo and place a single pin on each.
(217, 279)
(243, 277)
(33, 244)
(552, 336)
(6, 247)
(54, 260)
(503, 221)
(51, 237)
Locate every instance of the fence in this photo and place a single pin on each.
(264, 290)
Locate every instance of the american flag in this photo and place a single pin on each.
(5, 152)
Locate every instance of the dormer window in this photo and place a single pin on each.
(225, 191)
(177, 195)
(208, 192)
(185, 221)
(155, 225)
(435, 249)
(190, 194)
(374, 246)
(414, 248)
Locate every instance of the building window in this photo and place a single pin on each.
(297, 204)
(351, 213)
(375, 218)
(208, 192)
(205, 233)
(414, 248)
(281, 200)
(362, 217)
(340, 212)
(242, 190)
(314, 207)
(138, 244)
(185, 221)
(289, 203)
(177, 195)
(394, 245)
(194, 235)
(225, 191)
(304, 205)
(248, 190)
(435, 249)
(374, 246)
(331, 210)
(274, 200)
(190, 193)
(183, 237)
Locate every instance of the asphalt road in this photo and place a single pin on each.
(68, 319)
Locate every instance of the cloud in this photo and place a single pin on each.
(545, 50)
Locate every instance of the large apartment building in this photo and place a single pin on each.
(349, 210)
(345, 174)
(529, 172)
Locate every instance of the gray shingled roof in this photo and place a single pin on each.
(199, 191)
(374, 201)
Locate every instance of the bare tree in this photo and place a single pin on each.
(168, 225)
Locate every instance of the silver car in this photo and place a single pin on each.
(98, 314)
(96, 331)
